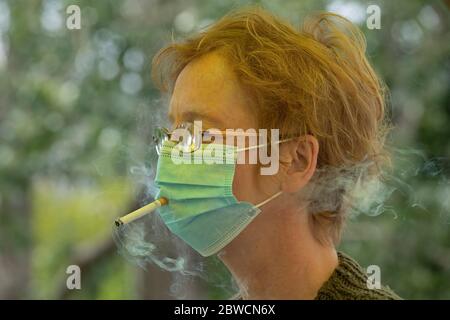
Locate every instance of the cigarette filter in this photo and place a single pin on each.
(141, 211)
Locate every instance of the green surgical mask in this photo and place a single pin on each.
(202, 209)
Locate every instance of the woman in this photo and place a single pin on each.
(251, 70)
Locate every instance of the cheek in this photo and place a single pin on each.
(249, 185)
(245, 187)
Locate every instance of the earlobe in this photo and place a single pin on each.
(302, 165)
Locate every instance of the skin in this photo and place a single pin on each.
(276, 256)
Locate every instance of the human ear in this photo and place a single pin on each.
(300, 162)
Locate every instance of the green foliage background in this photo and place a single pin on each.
(74, 105)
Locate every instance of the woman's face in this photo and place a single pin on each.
(207, 90)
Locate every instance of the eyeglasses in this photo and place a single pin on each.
(189, 136)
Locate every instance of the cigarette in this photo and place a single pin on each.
(141, 211)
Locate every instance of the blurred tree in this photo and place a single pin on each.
(77, 106)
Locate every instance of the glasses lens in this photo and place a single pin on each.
(159, 136)
(187, 137)
(191, 138)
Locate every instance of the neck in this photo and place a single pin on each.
(277, 257)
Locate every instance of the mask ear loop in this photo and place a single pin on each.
(262, 145)
(269, 199)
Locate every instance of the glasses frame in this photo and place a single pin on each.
(162, 134)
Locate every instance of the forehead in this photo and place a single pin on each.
(208, 90)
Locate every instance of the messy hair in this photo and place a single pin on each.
(315, 79)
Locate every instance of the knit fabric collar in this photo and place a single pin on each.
(349, 282)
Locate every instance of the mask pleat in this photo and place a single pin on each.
(191, 207)
(191, 191)
(195, 174)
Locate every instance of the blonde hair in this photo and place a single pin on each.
(315, 80)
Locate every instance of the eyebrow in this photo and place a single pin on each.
(193, 115)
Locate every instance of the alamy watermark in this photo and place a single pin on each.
(373, 277)
(74, 279)
(214, 146)
(373, 21)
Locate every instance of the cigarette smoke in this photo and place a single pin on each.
(414, 179)
(147, 240)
